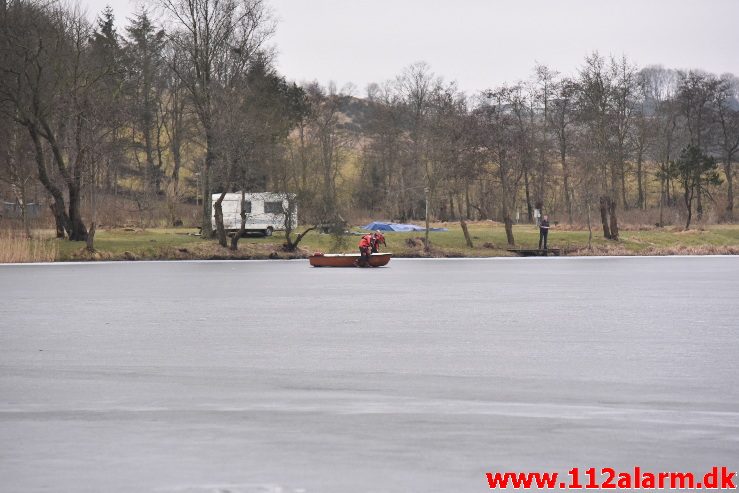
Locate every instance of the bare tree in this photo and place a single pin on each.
(561, 119)
(447, 150)
(696, 90)
(696, 171)
(415, 87)
(727, 114)
(642, 135)
(220, 39)
(382, 153)
(145, 57)
(50, 86)
(16, 168)
(541, 98)
(264, 110)
(660, 86)
(595, 86)
(175, 114)
(499, 133)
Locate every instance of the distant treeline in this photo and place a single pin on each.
(89, 113)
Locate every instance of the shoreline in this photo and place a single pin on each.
(179, 244)
(400, 257)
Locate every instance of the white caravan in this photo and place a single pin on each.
(265, 211)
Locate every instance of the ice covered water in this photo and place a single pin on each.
(422, 376)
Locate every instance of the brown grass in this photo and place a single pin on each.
(213, 251)
(16, 247)
(693, 250)
(599, 250)
(616, 249)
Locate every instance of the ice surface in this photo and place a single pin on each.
(274, 377)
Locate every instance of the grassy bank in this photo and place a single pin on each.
(489, 241)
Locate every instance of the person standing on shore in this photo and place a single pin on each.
(543, 231)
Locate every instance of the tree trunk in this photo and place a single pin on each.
(508, 228)
(242, 228)
(482, 209)
(61, 218)
(401, 197)
(566, 182)
(506, 195)
(467, 237)
(467, 205)
(698, 196)
(427, 242)
(78, 230)
(668, 197)
(74, 181)
(688, 195)
(291, 245)
(729, 189)
(623, 187)
(206, 228)
(590, 226)
(661, 203)
(604, 216)
(220, 229)
(91, 238)
(613, 193)
(506, 213)
(699, 202)
(529, 211)
(149, 167)
(176, 149)
(614, 221)
(640, 202)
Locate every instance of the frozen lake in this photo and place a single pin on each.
(274, 377)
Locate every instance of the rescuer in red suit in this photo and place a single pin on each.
(375, 241)
(365, 247)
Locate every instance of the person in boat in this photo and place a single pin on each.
(377, 238)
(365, 249)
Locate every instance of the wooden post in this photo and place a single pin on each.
(426, 243)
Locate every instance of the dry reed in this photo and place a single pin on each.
(15, 247)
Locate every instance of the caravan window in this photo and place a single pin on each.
(273, 207)
(247, 207)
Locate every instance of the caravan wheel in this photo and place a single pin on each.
(268, 231)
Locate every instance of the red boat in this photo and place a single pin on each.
(348, 259)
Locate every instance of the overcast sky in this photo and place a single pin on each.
(481, 43)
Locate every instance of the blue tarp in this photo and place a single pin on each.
(374, 226)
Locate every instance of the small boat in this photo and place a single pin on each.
(347, 259)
